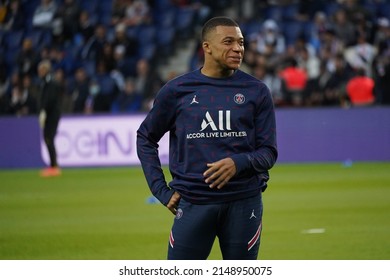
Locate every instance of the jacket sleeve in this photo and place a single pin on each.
(265, 154)
(158, 121)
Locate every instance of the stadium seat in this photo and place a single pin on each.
(162, 5)
(165, 35)
(165, 18)
(252, 27)
(91, 6)
(292, 30)
(106, 83)
(13, 40)
(90, 67)
(184, 20)
(371, 7)
(147, 51)
(289, 12)
(274, 12)
(146, 34)
(10, 56)
(105, 12)
(128, 66)
(110, 33)
(36, 38)
(105, 19)
(47, 38)
(2, 36)
(165, 39)
(29, 6)
(308, 29)
(384, 9)
(105, 6)
(331, 8)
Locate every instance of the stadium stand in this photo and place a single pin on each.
(157, 26)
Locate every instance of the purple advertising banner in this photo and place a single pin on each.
(20, 142)
(317, 135)
(304, 135)
(99, 141)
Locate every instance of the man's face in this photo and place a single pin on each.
(42, 70)
(225, 44)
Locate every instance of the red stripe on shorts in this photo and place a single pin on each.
(171, 239)
(254, 239)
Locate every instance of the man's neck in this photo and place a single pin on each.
(216, 72)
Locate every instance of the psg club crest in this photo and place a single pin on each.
(239, 98)
(179, 213)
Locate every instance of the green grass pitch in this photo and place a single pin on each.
(311, 211)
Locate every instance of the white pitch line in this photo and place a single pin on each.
(313, 231)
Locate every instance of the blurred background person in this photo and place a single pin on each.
(5, 82)
(79, 89)
(22, 103)
(44, 14)
(334, 92)
(49, 114)
(360, 89)
(12, 16)
(128, 100)
(147, 83)
(27, 58)
(107, 90)
(294, 80)
(67, 15)
(269, 35)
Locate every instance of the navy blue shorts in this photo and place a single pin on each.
(237, 225)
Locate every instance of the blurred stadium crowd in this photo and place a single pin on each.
(106, 53)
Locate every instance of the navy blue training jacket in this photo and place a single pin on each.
(209, 119)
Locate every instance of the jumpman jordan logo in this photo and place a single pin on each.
(253, 215)
(194, 100)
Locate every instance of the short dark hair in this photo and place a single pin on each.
(214, 22)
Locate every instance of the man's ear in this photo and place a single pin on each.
(206, 47)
